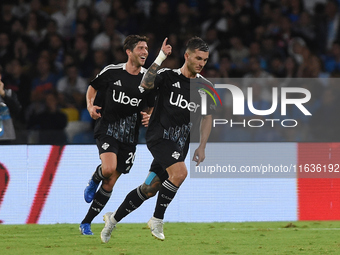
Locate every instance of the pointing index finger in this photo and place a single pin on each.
(165, 40)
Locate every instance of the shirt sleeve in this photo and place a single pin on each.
(100, 81)
(159, 78)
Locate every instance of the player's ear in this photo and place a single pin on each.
(128, 52)
(186, 55)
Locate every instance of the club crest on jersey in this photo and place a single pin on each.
(105, 146)
(124, 99)
(175, 154)
(183, 103)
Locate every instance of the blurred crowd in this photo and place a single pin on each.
(50, 50)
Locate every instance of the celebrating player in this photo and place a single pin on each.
(118, 104)
(175, 116)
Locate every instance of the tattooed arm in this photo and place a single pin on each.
(150, 76)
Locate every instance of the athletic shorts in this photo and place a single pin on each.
(165, 154)
(125, 152)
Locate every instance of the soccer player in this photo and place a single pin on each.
(118, 104)
(175, 116)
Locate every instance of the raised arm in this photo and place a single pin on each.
(150, 76)
(205, 129)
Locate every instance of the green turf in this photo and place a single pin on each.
(304, 237)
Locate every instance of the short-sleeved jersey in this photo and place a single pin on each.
(122, 99)
(177, 111)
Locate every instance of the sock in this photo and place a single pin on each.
(97, 176)
(99, 201)
(165, 195)
(132, 201)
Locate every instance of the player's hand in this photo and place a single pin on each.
(199, 155)
(145, 119)
(94, 111)
(166, 48)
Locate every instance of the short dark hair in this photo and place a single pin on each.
(196, 43)
(131, 41)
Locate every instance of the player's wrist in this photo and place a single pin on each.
(160, 58)
(202, 146)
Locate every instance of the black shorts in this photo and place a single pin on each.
(125, 152)
(165, 154)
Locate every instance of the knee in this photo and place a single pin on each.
(150, 190)
(109, 182)
(108, 171)
(178, 178)
(182, 176)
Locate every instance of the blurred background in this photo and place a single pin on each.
(50, 50)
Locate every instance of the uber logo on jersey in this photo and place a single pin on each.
(183, 103)
(124, 99)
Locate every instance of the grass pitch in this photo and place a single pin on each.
(304, 237)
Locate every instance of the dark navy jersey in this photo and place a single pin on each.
(122, 100)
(177, 111)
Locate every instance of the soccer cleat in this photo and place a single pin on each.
(156, 227)
(90, 191)
(105, 235)
(85, 229)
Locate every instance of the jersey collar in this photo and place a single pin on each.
(142, 70)
(178, 71)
